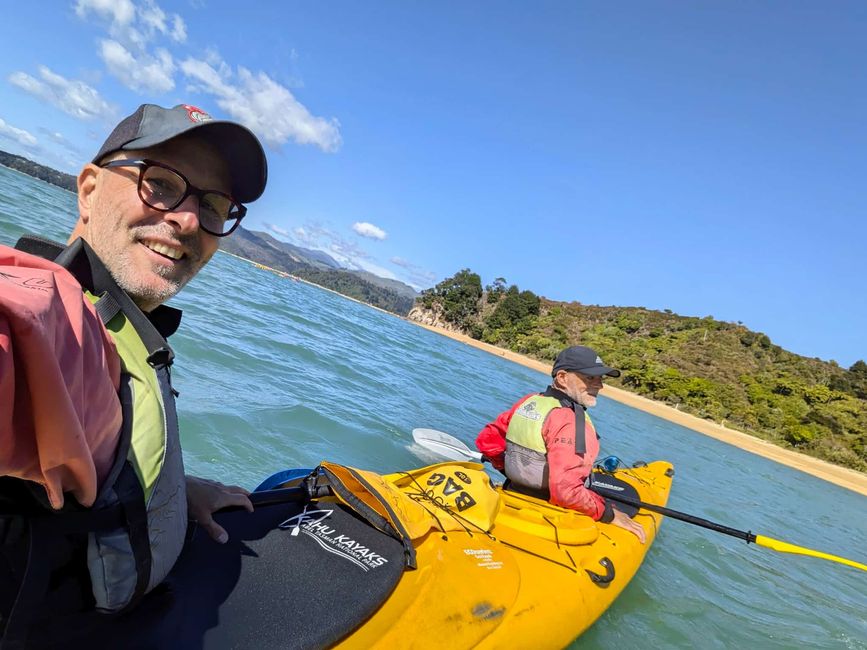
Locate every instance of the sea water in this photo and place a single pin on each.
(274, 374)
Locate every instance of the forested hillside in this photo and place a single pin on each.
(717, 370)
(47, 174)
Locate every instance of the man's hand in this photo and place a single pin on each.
(204, 497)
(624, 521)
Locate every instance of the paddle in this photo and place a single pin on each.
(452, 448)
(445, 445)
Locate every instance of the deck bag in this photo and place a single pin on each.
(446, 497)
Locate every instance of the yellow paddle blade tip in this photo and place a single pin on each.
(785, 547)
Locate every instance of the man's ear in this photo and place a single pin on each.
(86, 188)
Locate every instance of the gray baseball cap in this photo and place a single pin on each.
(151, 125)
(580, 358)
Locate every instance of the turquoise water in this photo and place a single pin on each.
(274, 374)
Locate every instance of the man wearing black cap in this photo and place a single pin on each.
(153, 204)
(166, 185)
(546, 443)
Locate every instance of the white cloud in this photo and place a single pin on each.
(59, 138)
(153, 18)
(213, 58)
(417, 277)
(318, 237)
(368, 230)
(73, 97)
(204, 73)
(64, 158)
(20, 136)
(56, 136)
(277, 230)
(145, 74)
(351, 256)
(119, 12)
(337, 251)
(253, 98)
(179, 29)
(269, 109)
(300, 235)
(134, 25)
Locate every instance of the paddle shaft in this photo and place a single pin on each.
(682, 516)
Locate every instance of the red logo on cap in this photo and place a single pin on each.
(197, 114)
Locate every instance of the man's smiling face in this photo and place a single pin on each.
(151, 254)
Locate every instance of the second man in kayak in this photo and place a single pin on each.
(546, 443)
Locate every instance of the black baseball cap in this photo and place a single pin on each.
(580, 358)
(151, 125)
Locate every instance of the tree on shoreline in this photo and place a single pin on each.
(457, 296)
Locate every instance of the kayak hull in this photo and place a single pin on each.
(539, 578)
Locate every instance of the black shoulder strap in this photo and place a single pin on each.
(84, 264)
(39, 246)
(580, 416)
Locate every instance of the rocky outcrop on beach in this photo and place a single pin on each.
(432, 317)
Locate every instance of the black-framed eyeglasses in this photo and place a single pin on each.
(163, 188)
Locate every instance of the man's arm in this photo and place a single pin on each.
(491, 440)
(567, 472)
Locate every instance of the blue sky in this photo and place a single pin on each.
(705, 157)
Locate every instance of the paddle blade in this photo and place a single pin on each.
(785, 547)
(445, 445)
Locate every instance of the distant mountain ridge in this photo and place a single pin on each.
(263, 248)
(320, 268)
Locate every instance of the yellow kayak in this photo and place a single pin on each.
(539, 577)
(436, 557)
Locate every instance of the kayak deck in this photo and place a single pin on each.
(524, 583)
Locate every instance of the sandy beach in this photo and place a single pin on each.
(847, 478)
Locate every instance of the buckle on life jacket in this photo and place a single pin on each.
(161, 358)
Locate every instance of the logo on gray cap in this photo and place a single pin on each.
(197, 114)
